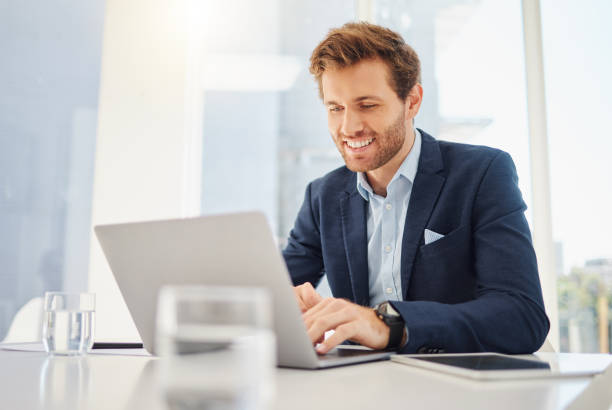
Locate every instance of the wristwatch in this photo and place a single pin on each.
(393, 319)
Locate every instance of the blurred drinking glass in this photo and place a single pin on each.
(217, 347)
(68, 323)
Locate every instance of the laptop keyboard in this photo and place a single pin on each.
(340, 353)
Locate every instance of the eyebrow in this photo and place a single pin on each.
(358, 99)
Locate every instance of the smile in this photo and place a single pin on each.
(359, 144)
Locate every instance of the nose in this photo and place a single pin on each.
(351, 123)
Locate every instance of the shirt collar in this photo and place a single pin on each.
(407, 169)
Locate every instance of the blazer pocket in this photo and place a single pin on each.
(443, 271)
(451, 240)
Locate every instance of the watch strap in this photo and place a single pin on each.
(396, 332)
(394, 322)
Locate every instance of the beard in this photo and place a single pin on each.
(388, 144)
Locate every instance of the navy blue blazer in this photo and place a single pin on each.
(476, 289)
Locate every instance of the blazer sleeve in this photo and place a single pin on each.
(303, 251)
(507, 314)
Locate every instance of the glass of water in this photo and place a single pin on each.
(68, 323)
(217, 348)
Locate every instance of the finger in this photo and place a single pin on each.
(325, 308)
(312, 298)
(327, 305)
(313, 311)
(298, 298)
(343, 332)
(309, 295)
(324, 322)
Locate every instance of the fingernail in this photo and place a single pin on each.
(321, 349)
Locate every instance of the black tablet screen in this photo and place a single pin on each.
(486, 362)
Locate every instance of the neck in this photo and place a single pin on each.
(379, 178)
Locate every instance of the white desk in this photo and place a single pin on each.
(31, 380)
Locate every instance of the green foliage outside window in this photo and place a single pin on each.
(579, 295)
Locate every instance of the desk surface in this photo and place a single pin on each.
(31, 380)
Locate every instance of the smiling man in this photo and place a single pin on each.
(424, 242)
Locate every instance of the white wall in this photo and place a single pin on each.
(148, 130)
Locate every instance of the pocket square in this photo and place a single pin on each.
(431, 236)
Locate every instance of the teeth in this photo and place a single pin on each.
(359, 144)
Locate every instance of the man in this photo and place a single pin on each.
(424, 243)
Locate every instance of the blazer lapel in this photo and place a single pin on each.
(354, 226)
(425, 190)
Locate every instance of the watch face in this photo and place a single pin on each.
(389, 310)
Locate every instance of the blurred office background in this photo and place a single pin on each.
(113, 111)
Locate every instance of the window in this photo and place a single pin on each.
(49, 80)
(473, 72)
(579, 103)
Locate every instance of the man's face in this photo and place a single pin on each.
(366, 118)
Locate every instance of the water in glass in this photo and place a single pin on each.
(68, 332)
(68, 323)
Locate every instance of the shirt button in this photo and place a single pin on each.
(388, 206)
(388, 248)
(389, 290)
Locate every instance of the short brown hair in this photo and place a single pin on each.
(354, 42)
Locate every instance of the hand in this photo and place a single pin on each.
(350, 321)
(306, 296)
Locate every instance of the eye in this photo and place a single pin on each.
(335, 108)
(368, 106)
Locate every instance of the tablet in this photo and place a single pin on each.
(490, 366)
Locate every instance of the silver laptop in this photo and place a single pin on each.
(230, 250)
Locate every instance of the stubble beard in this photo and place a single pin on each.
(389, 144)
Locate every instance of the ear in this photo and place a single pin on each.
(413, 101)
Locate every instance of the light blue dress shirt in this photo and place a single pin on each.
(385, 225)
